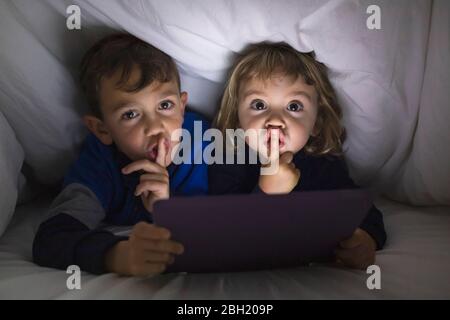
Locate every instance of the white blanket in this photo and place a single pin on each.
(414, 264)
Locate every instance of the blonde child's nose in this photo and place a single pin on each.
(275, 121)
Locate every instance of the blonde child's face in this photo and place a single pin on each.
(279, 103)
(139, 122)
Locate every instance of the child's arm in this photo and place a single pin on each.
(358, 251)
(68, 236)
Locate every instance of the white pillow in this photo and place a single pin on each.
(11, 159)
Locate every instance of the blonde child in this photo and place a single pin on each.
(274, 87)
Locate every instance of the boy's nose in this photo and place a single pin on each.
(153, 128)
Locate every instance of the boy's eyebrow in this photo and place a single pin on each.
(168, 93)
(120, 105)
(124, 104)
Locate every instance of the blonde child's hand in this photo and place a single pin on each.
(154, 183)
(147, 252)
(284, 180)
(358, 251)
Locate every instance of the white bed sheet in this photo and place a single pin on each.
(414, 264)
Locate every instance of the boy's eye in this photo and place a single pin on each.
(129, 115)
(295, 106)
(258, 105)
(166, 105)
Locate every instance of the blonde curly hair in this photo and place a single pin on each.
(263, 59)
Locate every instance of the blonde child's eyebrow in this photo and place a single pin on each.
(301, 93)
(261, 93)
(253, 92)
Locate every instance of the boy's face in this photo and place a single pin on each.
(139, 122)
(279, 103)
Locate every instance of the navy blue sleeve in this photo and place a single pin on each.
(331, 174)
(62, 241)
(94, 169)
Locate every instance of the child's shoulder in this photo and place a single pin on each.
(191, 117)
(94, 147)
(324, 172)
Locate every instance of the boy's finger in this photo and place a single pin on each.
(145, 165)
(144, 230)
(162, 152)
(164, 246)
(153, 256)
(150, 185)
(154, 176)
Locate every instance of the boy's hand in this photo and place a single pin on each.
(148, 251)
(358, 251)
(154, 184)
(286, 178)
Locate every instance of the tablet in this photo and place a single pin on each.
(258, 231)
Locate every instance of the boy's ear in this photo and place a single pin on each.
(97, 127)
(184, 100)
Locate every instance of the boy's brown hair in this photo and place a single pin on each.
(263, 59)
(123, 52)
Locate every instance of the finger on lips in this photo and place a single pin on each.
(160, 158)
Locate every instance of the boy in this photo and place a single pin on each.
(124, 167)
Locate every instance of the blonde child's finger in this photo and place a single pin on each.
(162, 152)
(351, 242)
(145, 165)
(263, 150)
(287, 158)
(274, 147)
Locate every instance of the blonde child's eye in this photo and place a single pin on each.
(166, 105)
(258, 105)
(130, 115)
(295, 106)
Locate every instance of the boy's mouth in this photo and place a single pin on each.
(153, 150)
(152, 153)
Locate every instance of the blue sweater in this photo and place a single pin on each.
(95, 193)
